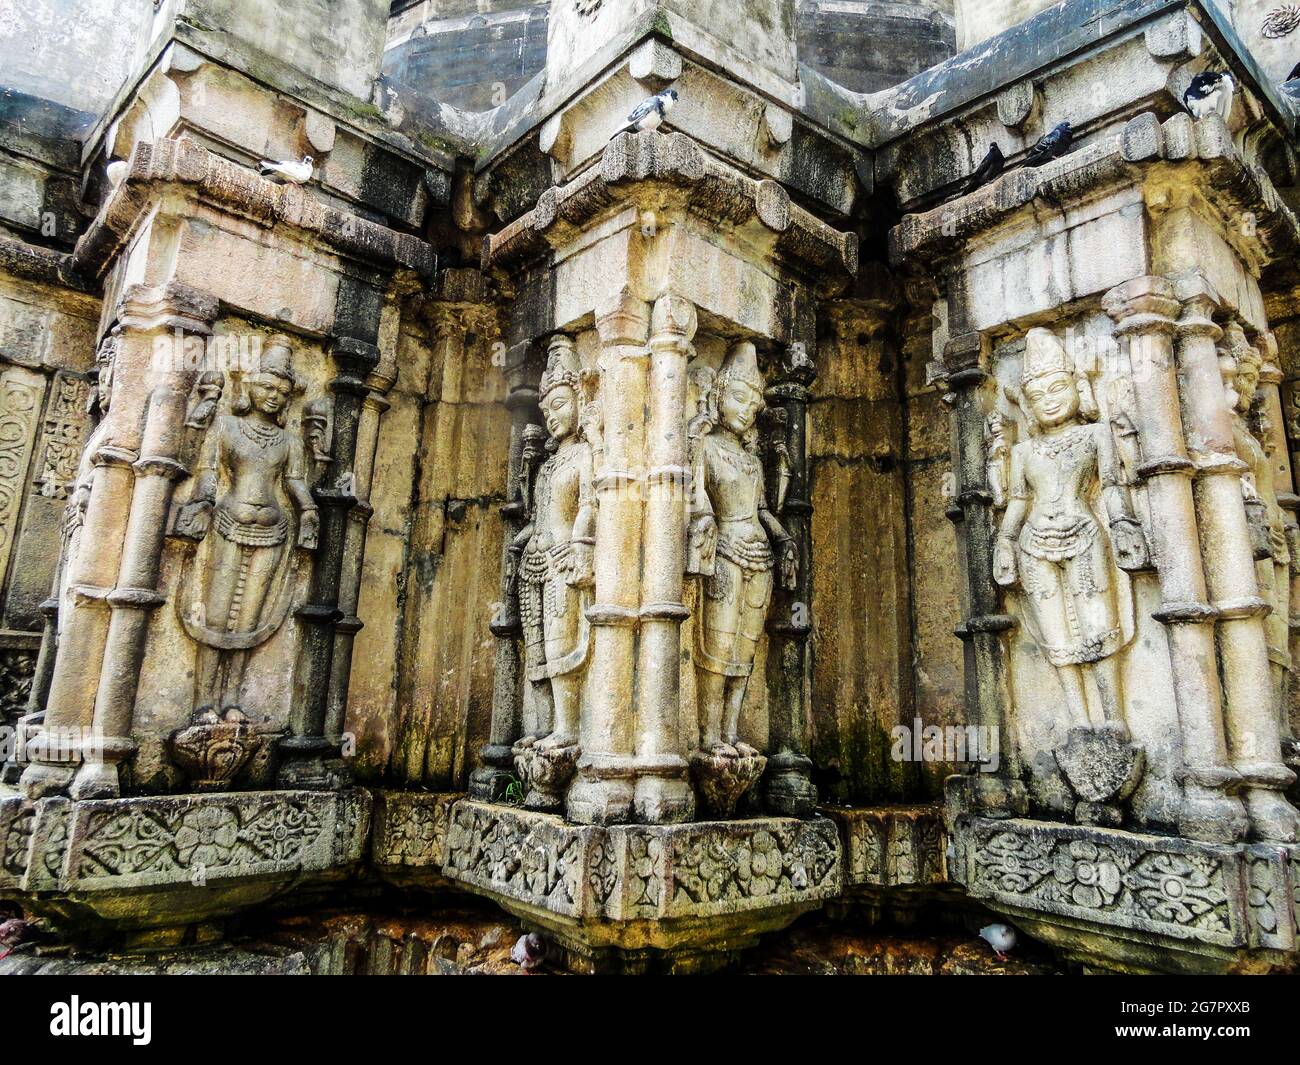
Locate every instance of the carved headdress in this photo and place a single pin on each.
(741, 364)
(276, 360)
(562, 365)
(1046, 354)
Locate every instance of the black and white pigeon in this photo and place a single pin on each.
(989, 169)
(1050, 146)
(649, 113)
(1210, 93)
(529, 952)
(1001, 937)
(1295, 73)
(287, 170)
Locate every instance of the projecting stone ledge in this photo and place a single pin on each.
(626, 898)
(152, 866)
(1111, 899)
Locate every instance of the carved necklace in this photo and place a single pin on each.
(264, 436)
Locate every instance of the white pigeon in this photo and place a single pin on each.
(1210, 93)
(649, 113)
(1001, 937)
(529, 952)
(117, 170)
(287, 170)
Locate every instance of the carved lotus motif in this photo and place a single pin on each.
(760, 864)
(1100, 765)
(212, 752)
(722, 780)
(1086, 875)
(206, 836)
(1281, 21)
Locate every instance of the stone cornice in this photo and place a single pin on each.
(1223, 176)
(219, 181)
(715, 191)
(34, 263)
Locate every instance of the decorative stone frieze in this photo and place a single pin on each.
(611, 895)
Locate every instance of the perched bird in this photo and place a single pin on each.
(116, 171)
(12, 932)
(529, 952)
(1001, 937)
(1051, 146)
(287, 170)
(649, 114)
(989, 169)
(1210, 93)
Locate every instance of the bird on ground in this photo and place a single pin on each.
(1210, 93)
(12, 932)
(529, 952)
(1050, 146)
(649, 113)
(989, 169)
(1001, 937)
(287, 170)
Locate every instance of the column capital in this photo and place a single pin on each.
(673, 320)
(622, 320)
(164, 308)
(966, 358)
(1142, 305)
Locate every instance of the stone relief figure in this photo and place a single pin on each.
(249, 507)
(1241, 364)
(739, 549)
(554, 576)
(1069, 534)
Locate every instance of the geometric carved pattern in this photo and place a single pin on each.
(63, 436)
(628, 872)
(21, 392)
(892, 846)
(1151, 883)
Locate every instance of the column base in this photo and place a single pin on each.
(41, 779)
(1272, 817)
(602, 794)
(312, 763)
(788, 790)
(1210, 815)
(631, 898)
(664, 800)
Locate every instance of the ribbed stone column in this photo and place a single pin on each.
(787, 783)
(984, 626)
(1144, 310)
(663, 790)
(602, 792)
(496, 764)
(148, 316)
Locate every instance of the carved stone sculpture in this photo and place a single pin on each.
(1068, 534)
(213, 751)
(1241, 366)
(250, 505)
(738, 548)
(554, 579)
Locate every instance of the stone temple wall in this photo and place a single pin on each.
(413, 472)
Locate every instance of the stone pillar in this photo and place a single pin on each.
(309, 753)
(1229, 569)
(149, 316)
(55, 750)
(373, 407)
(985, 625)
(496, 761)
(602, 792)
(663, 790)
(1143, 310)
(787, 783)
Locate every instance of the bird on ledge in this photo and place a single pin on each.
(1210, 93)
(649, 113)
(287, 170)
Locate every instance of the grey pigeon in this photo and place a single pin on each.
(649, 113)
(529, 952)
(287, 170)
(1210, 93)
(989, 169)
(1001, 937)
(1051, 146)
(12, 932)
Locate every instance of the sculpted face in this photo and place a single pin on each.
(1247, 383)
(739, 406)
(1054, 399)
(269, 394)
(561, 410)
